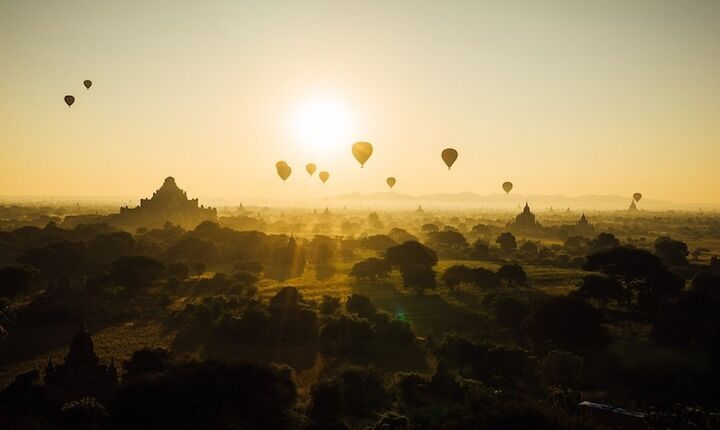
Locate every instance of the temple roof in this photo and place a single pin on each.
(82, 349)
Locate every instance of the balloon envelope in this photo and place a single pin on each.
(390, 181)
(69, 100)
(311, 168)
(449, 155)
(280, 163)
(362, 151)
(324, 176)
(637, 197)
(283, 171)
(87, 83)
(507, 186)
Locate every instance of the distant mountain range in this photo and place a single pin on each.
(510, 201)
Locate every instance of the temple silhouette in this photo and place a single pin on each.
(82, 374)
(168, 204)
(525, 221)
(582, 227)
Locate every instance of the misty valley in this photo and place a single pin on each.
(177, 315)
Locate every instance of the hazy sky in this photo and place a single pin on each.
(560, 97)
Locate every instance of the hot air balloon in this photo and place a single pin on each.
(310, 167)
(507, 186)
(362, 151)
(283, 170)
(69, 100)
(637, 197)
(324, 176)
(449, 155)
(87, 83)
(390, 181)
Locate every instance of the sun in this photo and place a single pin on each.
(322, 124)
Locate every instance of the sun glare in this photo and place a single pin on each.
(322, 125)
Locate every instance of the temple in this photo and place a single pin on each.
(633, 207)
(581, 228)
(167, 204)
(525, 221)
(82, 374)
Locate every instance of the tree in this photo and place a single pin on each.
(602, 289)
(146, 361)
(137, 271)
(370, 269)
(108, 247)
(576, 244)
(456, 275)
(603, 241)
(629, 265)
(400, 235)
(512, 273)
(57, 258)
(484, 278)
(658, 288)
(411, 253)
(461, 274)
(361, 305)
(193, 249)
(322, 240)
(529, 249)
(480, 250)
(378, 242)
(329, 305)
(507, 242)
(567, 323)
(418, 277)
(671, 252)
(448, 238)
(14, 280)
(481, 230)
(348, 334)
(356, 391)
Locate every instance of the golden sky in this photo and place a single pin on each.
(560, 97)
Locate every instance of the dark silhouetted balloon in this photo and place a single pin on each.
(390, 181)
(362, 151)
(449, 155)
(69, 100)
(507, 186)
(87, 83)
(310, 167)
(637, 197)
(283, 170)
(324, 176)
